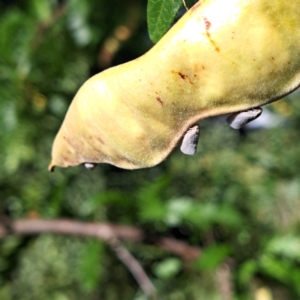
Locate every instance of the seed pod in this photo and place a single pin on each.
(220, 57)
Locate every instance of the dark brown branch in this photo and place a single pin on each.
(98, 230)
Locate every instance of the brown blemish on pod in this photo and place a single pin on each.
(98, 138)
(195, 7)
(207, 24)
(159, 100)
(183, 76)
(207, 27)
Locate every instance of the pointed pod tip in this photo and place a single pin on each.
(51, 167)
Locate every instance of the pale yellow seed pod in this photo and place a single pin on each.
(220, 57)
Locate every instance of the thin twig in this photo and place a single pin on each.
(129, 261)
(133, 266)
(184, 4)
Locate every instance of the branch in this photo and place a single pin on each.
(110, 233)
(133, 266)
(224, 280)
(101, 231)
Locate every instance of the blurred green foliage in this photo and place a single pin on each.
(238, 198)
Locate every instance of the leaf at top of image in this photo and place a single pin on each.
(160, 15)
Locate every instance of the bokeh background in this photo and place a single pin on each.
(237, 199)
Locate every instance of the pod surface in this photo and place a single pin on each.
(220, 57)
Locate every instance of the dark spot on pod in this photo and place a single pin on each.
(159, 100)
(195, 6)
(181, 75)
(100, 140)
(207, 27)
(207, 24)
(67, 140)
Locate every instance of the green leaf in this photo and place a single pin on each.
(205, 215)
(287, 246)
(247, 271)
(150, 200)
(90, 267)
(177, 209)
(281, 270)
(41, 9)
(160, 15)
(167, 268)
(212, 256)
